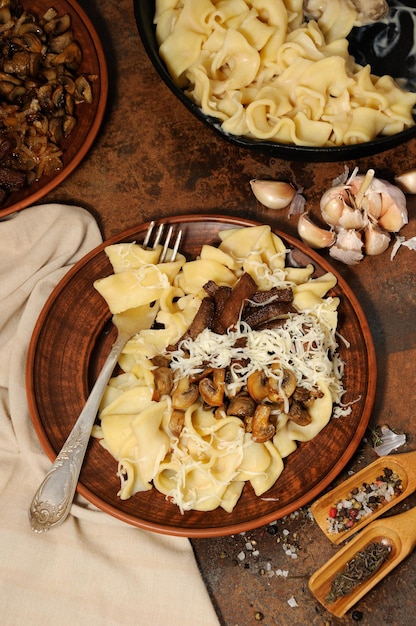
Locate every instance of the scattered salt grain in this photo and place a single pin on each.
(292, 602)
(241, 556)
(282, 572)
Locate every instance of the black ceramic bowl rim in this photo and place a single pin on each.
(144, 13)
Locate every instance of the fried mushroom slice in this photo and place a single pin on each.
(282, 387)
(257, 385)
(241, 406)
(163, 381)
(261, 428)
(299, 414)
(176, 422)
(184, 394)
(212, 389)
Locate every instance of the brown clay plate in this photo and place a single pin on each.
(89, 116)
(72, 338)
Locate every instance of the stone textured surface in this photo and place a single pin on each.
(153, 158)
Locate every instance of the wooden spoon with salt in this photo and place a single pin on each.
(398, 532)
(404, 465)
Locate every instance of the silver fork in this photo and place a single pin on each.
(53, 499)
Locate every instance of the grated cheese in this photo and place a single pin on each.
(305, 344)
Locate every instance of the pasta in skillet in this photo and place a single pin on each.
(266, 72)
(156, 418)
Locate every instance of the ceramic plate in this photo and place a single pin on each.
(388, 46)
(72, 338)
(89, 116)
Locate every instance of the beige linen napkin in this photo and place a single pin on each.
(93, 569)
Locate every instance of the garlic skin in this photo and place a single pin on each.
(313, 235)
(347, 247)
(273, 194)
(376, 240)
(407, 181)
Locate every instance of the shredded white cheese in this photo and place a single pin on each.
(305, 344)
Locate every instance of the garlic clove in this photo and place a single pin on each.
(351, 219)
(312, 234)
(347, 247)
(371, 205)
(376, 240)
(332, 204)
(273, 194)
(332, 211)
(394, 213)
(407, 181)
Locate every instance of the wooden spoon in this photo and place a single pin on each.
(403, 464)
(397, 531)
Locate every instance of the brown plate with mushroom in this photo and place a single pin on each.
(72, 338)
(54, 87)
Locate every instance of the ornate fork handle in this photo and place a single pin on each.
(53, 499)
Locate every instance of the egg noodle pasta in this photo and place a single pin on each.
(266, 71)
(197, 414)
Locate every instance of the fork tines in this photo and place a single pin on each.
(158, 237)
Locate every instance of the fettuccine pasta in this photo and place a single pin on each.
(265, 72)
(206, 461)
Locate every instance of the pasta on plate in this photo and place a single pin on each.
(170, 418)
(266, 72)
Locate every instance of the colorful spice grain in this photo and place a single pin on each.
(363, 501)
(361, 567)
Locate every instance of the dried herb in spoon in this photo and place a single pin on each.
(361, 567)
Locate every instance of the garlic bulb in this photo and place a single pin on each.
(363, 205)
(312, 234)
(347, 247)
(376, 240)
(273, 194)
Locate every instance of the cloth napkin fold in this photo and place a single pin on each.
(93, 569)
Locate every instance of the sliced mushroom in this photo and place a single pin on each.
(212, 389)
(257, 385)
(69, 123)
(282, 387)
(195, 378)
(83, 91)
(299, 414)
(71, 57)
(163, 381)
(242, 406)
(261, 428)
(160, 361)
(56, 130)
(307, 396)
(184, 394)
(176, 422)
(57, 25)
